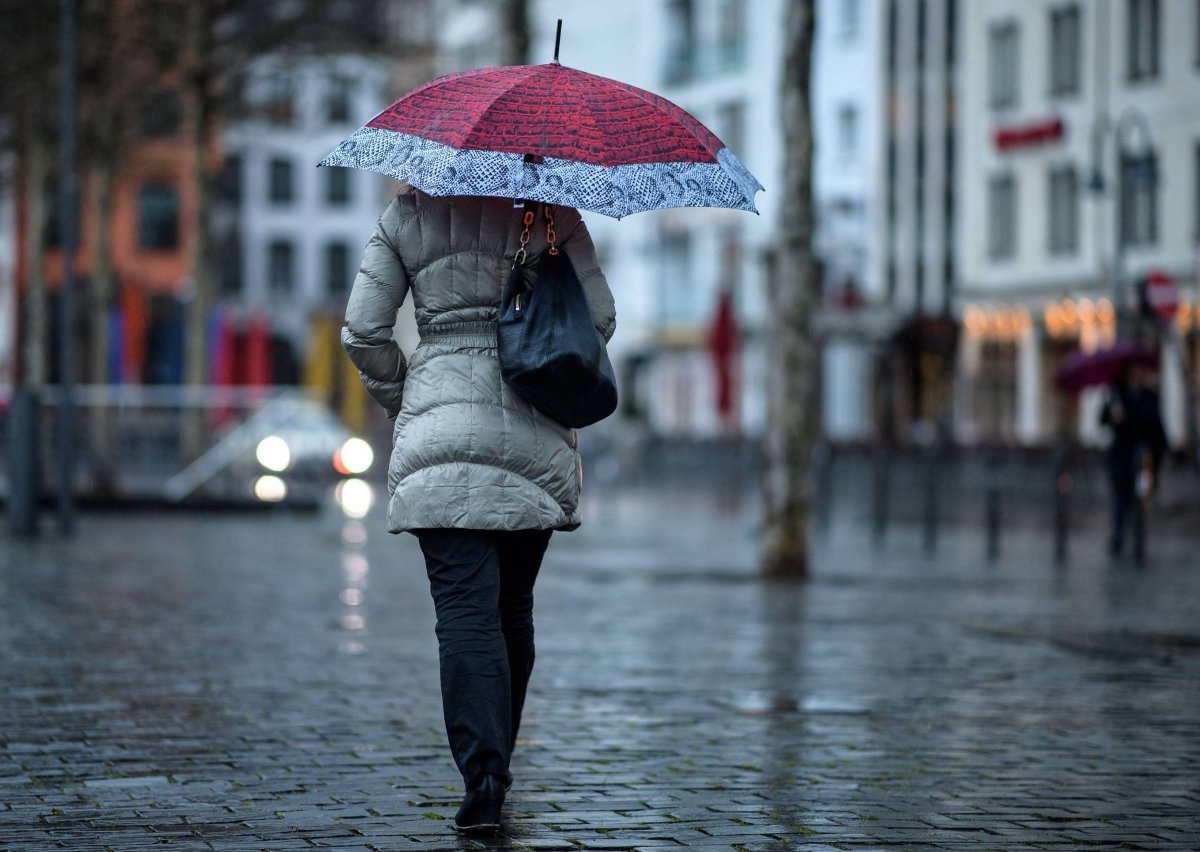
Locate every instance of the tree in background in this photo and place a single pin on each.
(792, 387)
(29, 69)
(514, 23)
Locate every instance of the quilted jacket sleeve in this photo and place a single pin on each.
(379, 289)
(579, 248)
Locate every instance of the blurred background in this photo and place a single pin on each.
(997, 184)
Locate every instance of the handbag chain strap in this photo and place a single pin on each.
(551, 234)
(527, 221)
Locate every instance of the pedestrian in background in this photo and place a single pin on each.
(477, 474)
(1133, 414)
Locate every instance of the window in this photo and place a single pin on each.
(1063, 210)
(1002, 65)
(679, 290)
(681, 41)
(281, 267)
(731, 119)
(281, 190)
(1065, 42)
(158, 217)
(160, 114)
(339, 101)
(52, 230)
(848, 21)
(337, 269)
(1143, 30)
(337, 185)
(280, 106)
(229, 181)
(229, 264)
(847, 130)
(1139, 200)
(731, 35)
(1002, 217)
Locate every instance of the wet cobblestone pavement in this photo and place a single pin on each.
(271, 683)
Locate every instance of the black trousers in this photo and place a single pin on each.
(482, 587)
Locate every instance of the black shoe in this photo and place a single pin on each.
(480, 811)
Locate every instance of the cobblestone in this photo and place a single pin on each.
(208, 683)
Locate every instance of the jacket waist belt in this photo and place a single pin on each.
(469, 333)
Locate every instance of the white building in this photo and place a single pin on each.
(297, 232)
(882, 108)
(848, 123)
(1044, 83)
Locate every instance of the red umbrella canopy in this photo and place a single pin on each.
(552, 134)
(1080, 369)
(551, 111)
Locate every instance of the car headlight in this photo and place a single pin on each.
(354, 457)
(273, 453)
(355, 497)
(270, 489)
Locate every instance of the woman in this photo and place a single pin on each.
(477, 474)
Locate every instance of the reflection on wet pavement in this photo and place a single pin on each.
(271, 682)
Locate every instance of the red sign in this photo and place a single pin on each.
(1025, 135)
(1161, 295)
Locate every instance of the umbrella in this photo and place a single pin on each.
(553, 134)
(1084, 369)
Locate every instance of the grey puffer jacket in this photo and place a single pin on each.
(467, 451)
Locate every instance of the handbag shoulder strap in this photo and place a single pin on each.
(528, 217)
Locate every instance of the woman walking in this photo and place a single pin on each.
(477, 474)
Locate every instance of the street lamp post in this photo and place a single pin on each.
(68, 206)
(1143, 171)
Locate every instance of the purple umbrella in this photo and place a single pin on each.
(1081, 370)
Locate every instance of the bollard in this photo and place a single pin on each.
(1062, 498)
(881, 484)
(992, 510)
(23, 485)
(823, 462)
(931, 501)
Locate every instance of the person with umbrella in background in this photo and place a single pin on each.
(479, 475)
(1138, 443)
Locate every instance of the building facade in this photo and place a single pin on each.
(1079, 176)
(294, 234)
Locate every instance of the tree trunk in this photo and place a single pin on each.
(791, 391)
(515, 23)
(36, 169)
(100, 419)
(197, 89)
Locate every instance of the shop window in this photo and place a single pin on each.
(996, 403)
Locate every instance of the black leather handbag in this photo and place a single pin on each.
(550, 351)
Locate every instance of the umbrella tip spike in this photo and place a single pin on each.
(557, 40)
